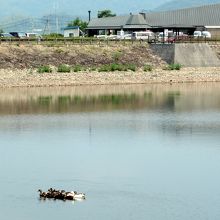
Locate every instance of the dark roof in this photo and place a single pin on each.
(208, 15)
(117, 22)
(70, 28)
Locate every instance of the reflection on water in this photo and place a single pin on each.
(138, 152)
(108, 98)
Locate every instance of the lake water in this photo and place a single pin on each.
(138, 152)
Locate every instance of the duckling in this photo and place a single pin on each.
(42, 194)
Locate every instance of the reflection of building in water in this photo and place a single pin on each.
(92, 99)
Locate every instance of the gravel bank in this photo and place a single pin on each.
(30, 78)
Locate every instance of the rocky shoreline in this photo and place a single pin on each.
(31, 78)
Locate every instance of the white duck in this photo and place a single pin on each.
(79, 196)
(73, 195)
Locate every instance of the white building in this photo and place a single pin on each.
(72, 31)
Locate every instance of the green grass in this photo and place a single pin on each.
(174, 66)
(44, 69)
(63, 68)
(148, 68)
(104, 68)
(77, 68)
(117, 67)
(132, 67)
(93, 68)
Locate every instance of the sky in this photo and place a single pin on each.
(37, 8)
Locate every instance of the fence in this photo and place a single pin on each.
(106, 41)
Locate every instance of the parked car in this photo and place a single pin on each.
(33, 35)
(166, 39)
(5, 35)
(202, 34)
(101, 36)
(18, 34)
(206, 34)
(124, 37)
(197, 34)
(143, 35)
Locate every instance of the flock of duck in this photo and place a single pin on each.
(61, 195)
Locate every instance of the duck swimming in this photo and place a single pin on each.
(61, 195)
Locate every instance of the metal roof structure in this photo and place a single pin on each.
(118, 22)
(207, 15)
(70, 28)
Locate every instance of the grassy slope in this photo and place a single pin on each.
(87, 55)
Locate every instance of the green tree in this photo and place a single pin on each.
(1, 31)
(105, 13)
(78, 22)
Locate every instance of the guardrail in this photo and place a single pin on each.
(106, 41)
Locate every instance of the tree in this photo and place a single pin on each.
(80, 23)
(1, 31)
(105, 13)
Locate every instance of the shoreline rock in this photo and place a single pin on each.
(30, 78)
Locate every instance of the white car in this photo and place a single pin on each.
(143, 35)
(197, 34)
(124, 37)
(206, 34)
(202, 34)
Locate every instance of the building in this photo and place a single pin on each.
(111, 25)
(187, 20)
(72, 31)
(183, 20)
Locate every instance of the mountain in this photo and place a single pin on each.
(72, 7)
(27, 15)
(46, 24)
(176, 4)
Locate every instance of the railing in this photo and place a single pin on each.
(106, 41)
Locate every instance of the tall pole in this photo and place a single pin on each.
(89, 15)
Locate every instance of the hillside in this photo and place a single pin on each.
(176, 4)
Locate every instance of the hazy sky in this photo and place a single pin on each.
(40, 7)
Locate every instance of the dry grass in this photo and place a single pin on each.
(33, 56)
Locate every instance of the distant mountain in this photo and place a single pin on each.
(27, 15)
(177, 4)
(44, 25)
(72, 7)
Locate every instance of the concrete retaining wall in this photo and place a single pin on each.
(189, 55)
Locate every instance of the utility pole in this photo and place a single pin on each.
(56, 7)
(89, 14)
(47, 27)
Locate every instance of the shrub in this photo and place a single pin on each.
(92, 68)
(104, 68)
(131, 67)
(117, 67)
(116, 56)
(77, 68)
(148, 68)
(174, 66)
(44, 69)
(63, 68)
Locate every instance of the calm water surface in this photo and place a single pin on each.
(138, 152)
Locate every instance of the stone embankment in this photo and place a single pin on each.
(19, 63)
(29, 78)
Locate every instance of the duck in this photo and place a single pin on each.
(70, 195)
(79, 196)
(42, 194)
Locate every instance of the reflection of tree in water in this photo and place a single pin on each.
(58, 104)
(86, 103)
(170, 99)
